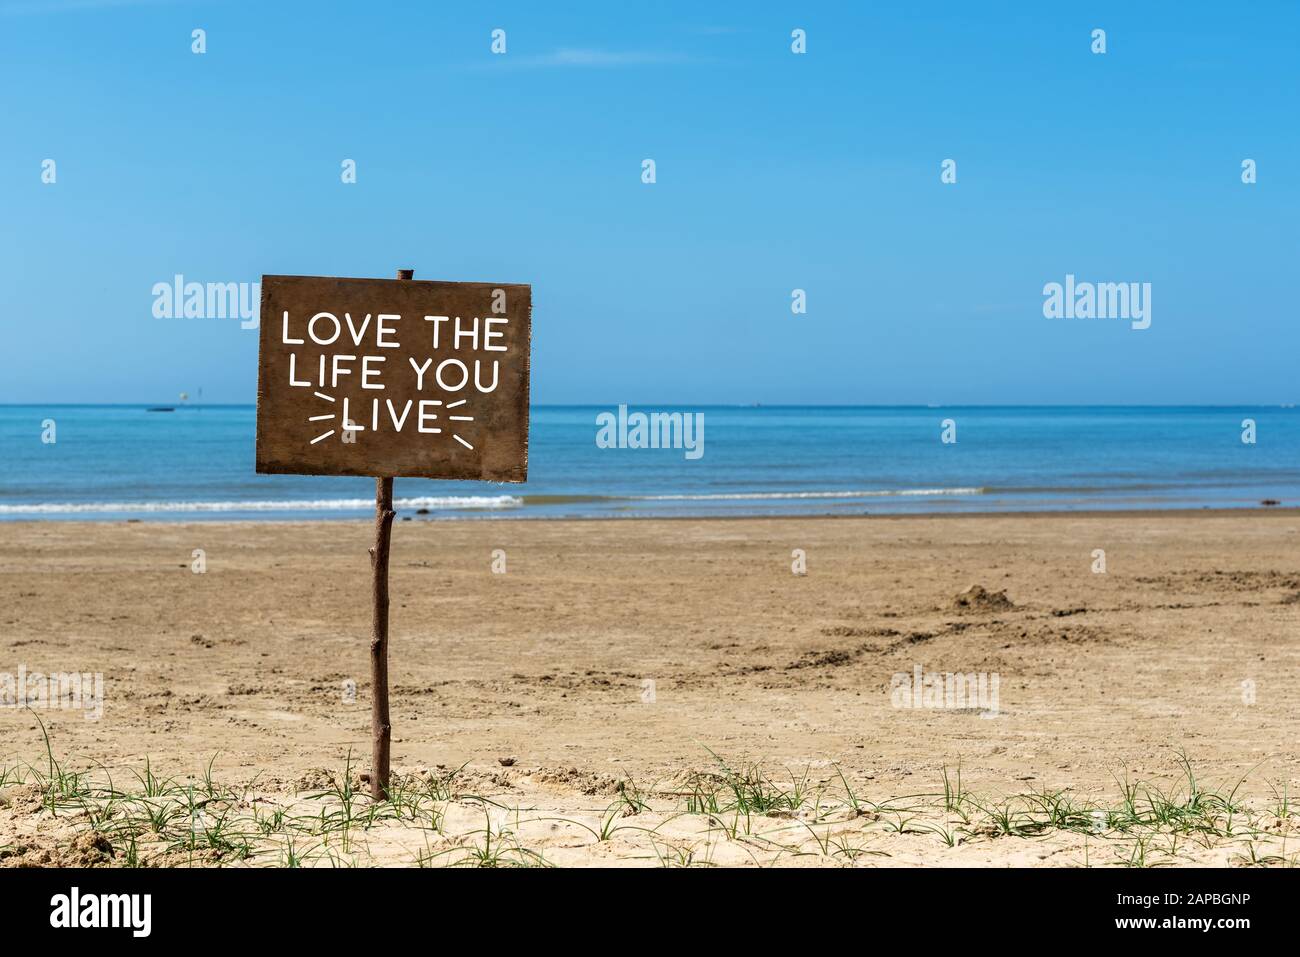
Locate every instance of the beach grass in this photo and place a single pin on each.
(738, 809)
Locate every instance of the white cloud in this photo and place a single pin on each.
(585, 57)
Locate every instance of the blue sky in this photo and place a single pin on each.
(775, 171)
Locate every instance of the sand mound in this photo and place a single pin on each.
(979, 598)
(87, 849)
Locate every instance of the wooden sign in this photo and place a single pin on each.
(392, 377)
(389, 377)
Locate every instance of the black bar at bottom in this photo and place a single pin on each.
(337, 906)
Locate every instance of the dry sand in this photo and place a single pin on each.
(1101, 676)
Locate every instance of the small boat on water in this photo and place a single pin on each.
(162, 408)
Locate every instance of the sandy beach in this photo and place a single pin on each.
(532, 688)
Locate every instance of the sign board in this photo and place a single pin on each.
(393, 377)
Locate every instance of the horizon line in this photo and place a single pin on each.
(726, 405)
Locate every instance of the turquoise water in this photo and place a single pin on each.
(116, 462)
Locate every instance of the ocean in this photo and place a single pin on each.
(115, 462)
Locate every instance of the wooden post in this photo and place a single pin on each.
(381, 728)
